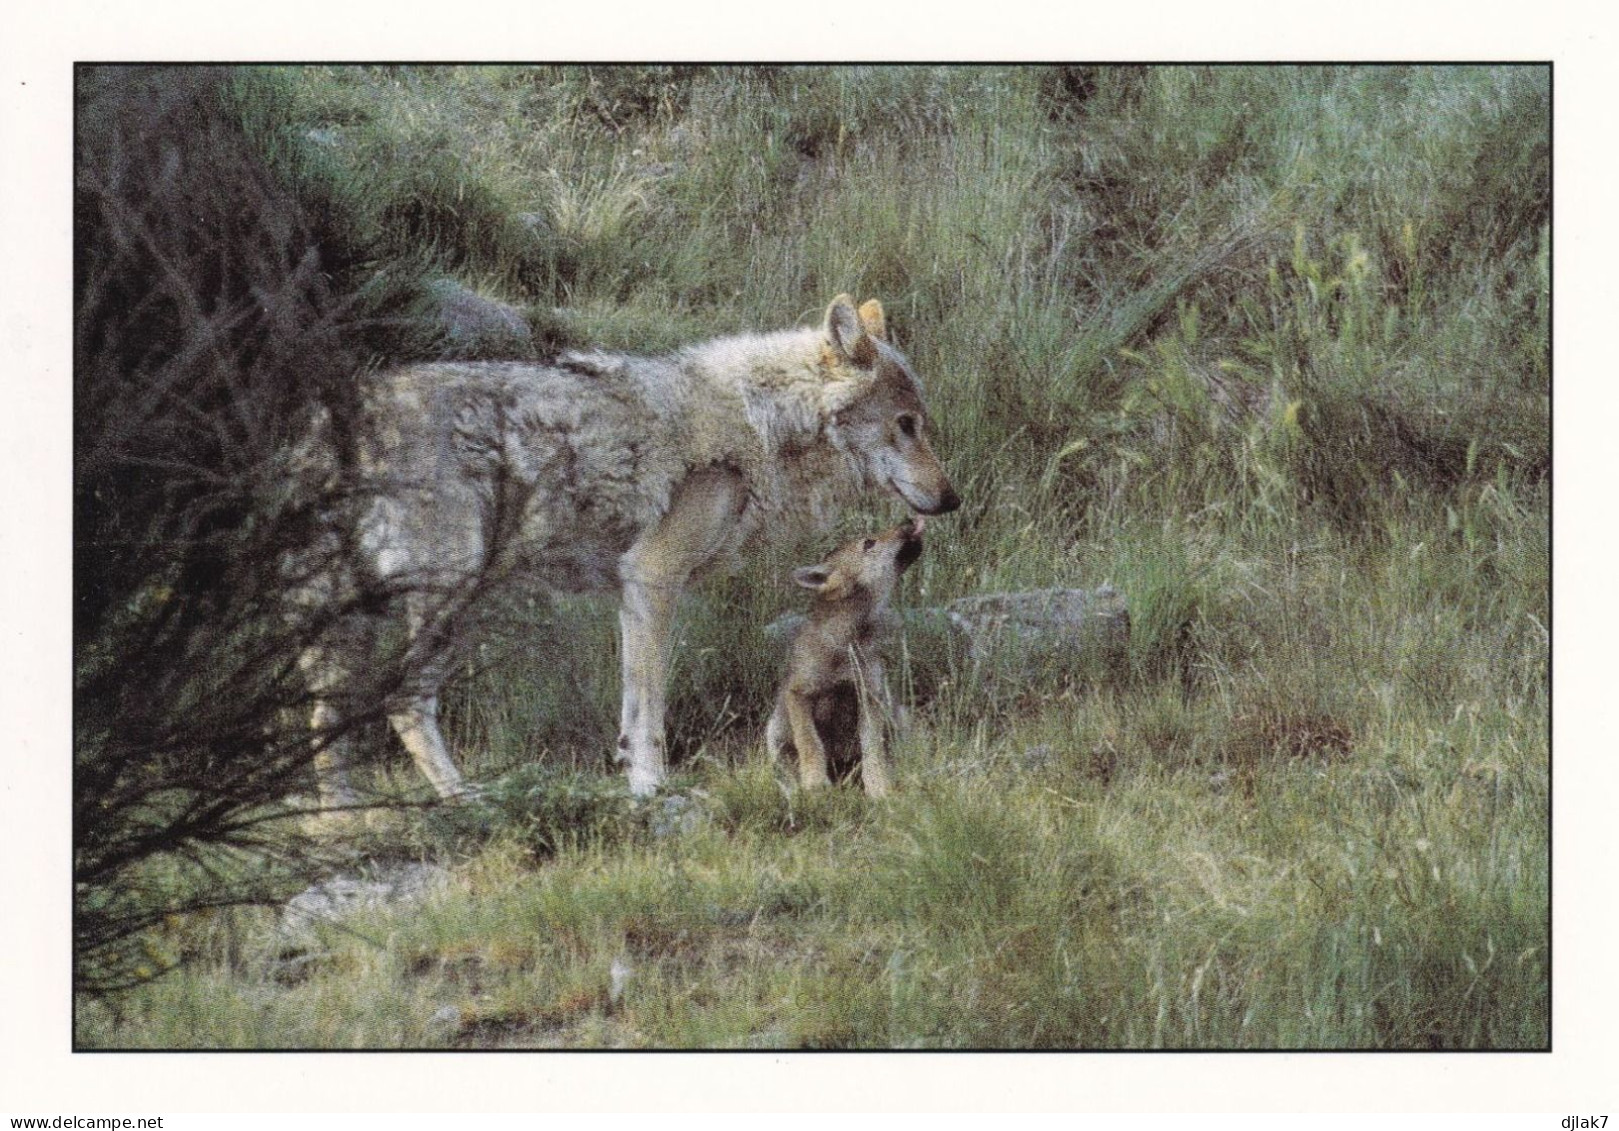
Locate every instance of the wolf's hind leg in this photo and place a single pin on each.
(415, 719)
(324, 673)
(416, 724)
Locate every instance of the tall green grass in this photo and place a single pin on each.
(1265, 347)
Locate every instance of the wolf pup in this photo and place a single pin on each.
(605, 472)
(834, 700)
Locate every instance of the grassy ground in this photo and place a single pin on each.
(1264, 347)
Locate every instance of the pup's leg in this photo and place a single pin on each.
(875, 775)
(811, 751)
(779, 733)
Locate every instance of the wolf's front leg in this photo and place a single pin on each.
(702, 517)
(646, 622)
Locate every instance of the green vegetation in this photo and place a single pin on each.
(1266, 348)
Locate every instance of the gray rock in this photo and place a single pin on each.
(340, 898)
(475, 326)
(618, 975)
(1038, 757)
(1041, 623)
(1011, 632)
(675, 815)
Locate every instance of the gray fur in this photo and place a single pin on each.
(607, 472)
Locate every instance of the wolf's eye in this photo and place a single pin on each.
(907, 426)
(869, 543)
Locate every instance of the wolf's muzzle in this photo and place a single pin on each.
(948, 502)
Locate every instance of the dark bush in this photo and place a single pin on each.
(217, 323)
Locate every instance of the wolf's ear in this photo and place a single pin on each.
(871, 317)
(847, 333)
(812, 577)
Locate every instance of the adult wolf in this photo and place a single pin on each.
(602, 472)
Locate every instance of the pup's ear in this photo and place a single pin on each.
(812, 577)
(823, 580)
(871, 317)
(847, 333)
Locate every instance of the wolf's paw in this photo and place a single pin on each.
(332, 823)
(467, 793)
(644, 782)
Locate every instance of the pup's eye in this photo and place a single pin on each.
(869, 543)
(907, 426)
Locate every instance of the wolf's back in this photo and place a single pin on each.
(558, 465)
